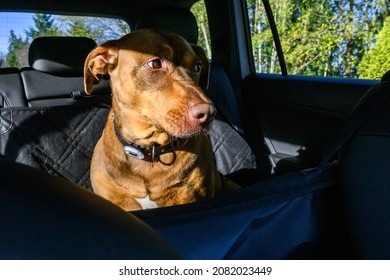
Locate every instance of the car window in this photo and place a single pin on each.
(17, 30)
(199, 10)
(322, 38)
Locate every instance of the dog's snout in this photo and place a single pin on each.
(202, 113)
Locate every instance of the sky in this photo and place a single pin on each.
(19, 22)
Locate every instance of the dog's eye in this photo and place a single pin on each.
(198, 68)
(155, 63)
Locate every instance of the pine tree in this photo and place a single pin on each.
(377, 61)
(43, 26)
(321, 38)
(78, 28)
(2, 59)
(17, 50)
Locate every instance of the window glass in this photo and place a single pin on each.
(17, 30)
(263, 46)
(199, 10)
(342, 38)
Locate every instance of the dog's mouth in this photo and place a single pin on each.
(195, 133)
(190, 133)
(201, 128)
(187, 124)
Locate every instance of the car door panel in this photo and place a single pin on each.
(298, 115)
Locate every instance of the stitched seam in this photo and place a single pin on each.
(38, 151)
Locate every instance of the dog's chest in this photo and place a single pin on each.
(146, 202)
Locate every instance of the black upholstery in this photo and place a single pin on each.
(365, 177)
(363, 149)
(60, 55)
(386, 76)
(295, 216)
(46, 217)
(221, 93)
(56, 71)
(11, 88)
(59, 140)
(233, 155)
(178, 20)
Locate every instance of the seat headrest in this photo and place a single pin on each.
(60, 55)
(386, 76)
(178, 20)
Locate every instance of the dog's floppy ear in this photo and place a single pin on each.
(204, 75)
(98, 63)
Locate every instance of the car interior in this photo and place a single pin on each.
(311, 154)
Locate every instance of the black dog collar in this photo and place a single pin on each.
(149, 153)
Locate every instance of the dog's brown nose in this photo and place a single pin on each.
(202, 113)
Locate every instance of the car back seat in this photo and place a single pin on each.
(55, 72)
(57, 126)
(363, 149)
(11, 88)
(59, 138)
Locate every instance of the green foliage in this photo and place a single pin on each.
(309, 41)
(377, 60)
(321, 38)
(199, 10)
(14, 43)
(17, 50)
(335, 38)
(99, 29)
(43, 26)
(77, 28)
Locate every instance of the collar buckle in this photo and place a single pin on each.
(134, 152)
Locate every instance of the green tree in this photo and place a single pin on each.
(78, 28)
(105, 29)
(99, 29)
(262, 41)
(309, 40)
(199, 10)
(322, 38)
(43, 26)
(377, 61)
(18, 48)
(17, 51)
(2, 59)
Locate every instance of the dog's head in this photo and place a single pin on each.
(157, 78)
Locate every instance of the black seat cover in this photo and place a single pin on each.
(46, 217)
(363, 152)
(178, 20)
(11, 88)
(55, 73)
(365, 177)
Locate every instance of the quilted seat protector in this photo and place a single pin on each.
(59, 140)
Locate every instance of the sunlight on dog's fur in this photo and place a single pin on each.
(154, 150)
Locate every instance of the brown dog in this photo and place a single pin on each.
(154, 150)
